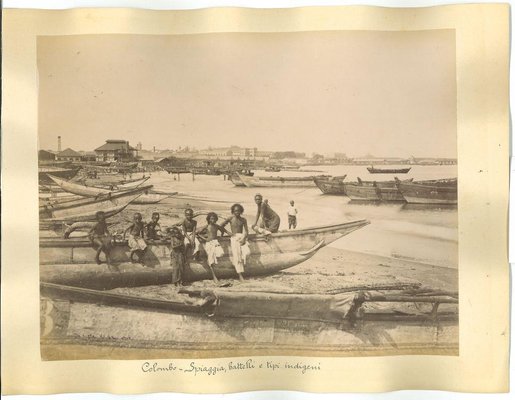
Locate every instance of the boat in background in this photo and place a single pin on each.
(235, 179)
(374, 191)
(63, 173)
(279, 182)
(108, 180)
(374, 170)
(72, 262)
(332, 185)
(86, 212)
(81, 190)
(440, 191)
(75, 201)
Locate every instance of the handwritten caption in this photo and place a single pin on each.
(197, 368)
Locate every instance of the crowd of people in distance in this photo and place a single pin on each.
(187, 239)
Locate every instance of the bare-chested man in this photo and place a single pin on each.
(239, 245)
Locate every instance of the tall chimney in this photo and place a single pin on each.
(59, 143)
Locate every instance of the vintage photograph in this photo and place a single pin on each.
(228, 194)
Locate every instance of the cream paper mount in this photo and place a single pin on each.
(480, 364)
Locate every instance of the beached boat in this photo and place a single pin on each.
(442, 191)
(71, 262)
(76, 202)
(374, 170)
(93, 191)
(152, 198)
(124, 185)
(333, 185)
(110, 180)
(374, 191)
(85, 323)
(86, 212)
(235, 179)
(55, 197)
(277, 181)
(63, 173)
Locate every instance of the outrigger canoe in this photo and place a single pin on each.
(69, 211)
(82, 323)
(108, 180)
(71, 262)
(82, 190)
(442, 191)
(65, 173)
(74, 201)
(91, 191)
(277, 181)
(86, 212)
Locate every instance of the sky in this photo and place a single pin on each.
(390, 94)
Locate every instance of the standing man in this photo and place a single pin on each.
(270, 221)
(292, 215)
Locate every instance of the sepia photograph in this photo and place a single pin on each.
(248, 193)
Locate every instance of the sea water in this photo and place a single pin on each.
(427, 234)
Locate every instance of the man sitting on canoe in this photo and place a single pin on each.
(154, 228)
(270, 221)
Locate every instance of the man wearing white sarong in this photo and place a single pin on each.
(240, 252)
(213, 251)
(239, 246)
(190, 239)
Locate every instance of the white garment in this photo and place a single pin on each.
(136, 243)
(196, 243)
(213, 251)
(239, 252)
(292, 211)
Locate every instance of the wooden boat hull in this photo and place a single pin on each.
(73, 201)
(331, 186)
(278, 182)
(91, 191)
(381, 191)
(251, 321)
(85, 209)
(373, 170)
(106, 180)
(71, 262)
(63, 173)
(430, 192)
(235, 179)
(151, 198)
(84, 215)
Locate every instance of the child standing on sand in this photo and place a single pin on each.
(212, 245)
(101, 238)
(136, 243)
(239, 246)
(177, 258)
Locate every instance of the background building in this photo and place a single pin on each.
(116, 150)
